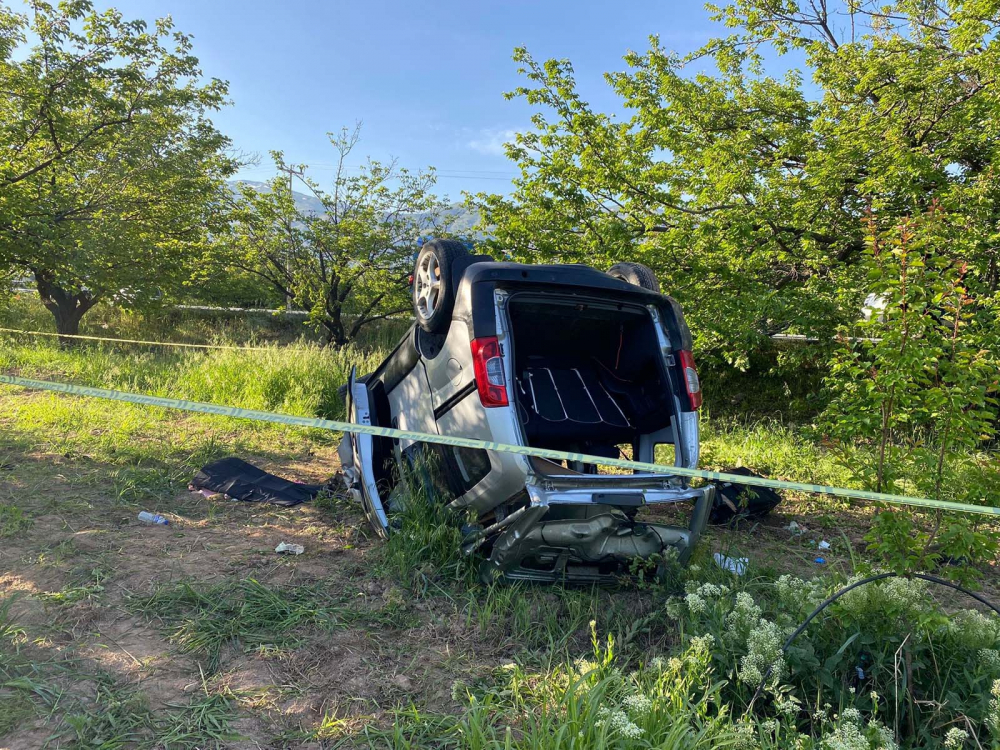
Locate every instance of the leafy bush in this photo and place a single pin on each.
(887, 638)
(912, 399)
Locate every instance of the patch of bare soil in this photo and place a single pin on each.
(85, 561)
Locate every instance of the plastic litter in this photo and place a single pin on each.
(794, 528)
(735, 565)
(147, 517)
(824, 544)
(289, 549)
(819, 561)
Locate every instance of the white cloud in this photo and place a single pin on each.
(491, 141)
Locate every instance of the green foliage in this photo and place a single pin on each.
(348, 265)
(884, 649)
(253, 616)
(109, 166)
(12, 520)
(301, 380)
(913, 398)
(585, 704)
(744, 191)
(425, 537)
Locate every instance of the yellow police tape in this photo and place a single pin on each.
(329, 424)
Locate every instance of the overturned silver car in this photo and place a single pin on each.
(562, 357)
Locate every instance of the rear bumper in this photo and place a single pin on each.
(538, 544)
(609, 489)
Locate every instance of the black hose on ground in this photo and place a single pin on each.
(871, 579)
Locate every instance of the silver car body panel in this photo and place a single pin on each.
(438, 395)
(361, 444)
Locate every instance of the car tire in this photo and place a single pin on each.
(434, 284)
(635, 273)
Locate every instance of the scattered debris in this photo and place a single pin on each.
(824, 544)
(794, 528)
(289, 549)
(243, 481)
(735, 565)
(819, 561)
(147, 517)
(737, 501)
(209, 494)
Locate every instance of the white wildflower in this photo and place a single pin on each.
(976, 629)
(763, 653)
(743, 618)
(674, 608)
(993, 716)
(846, 737)
(695, 603)
(852, 715)
(746, 736)
(618, 721)
(637, 705)
(787, 705)
(584, 666)
(989, 658)
(702, 644)
(955, 738)
(709, 590)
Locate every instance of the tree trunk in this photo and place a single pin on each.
(333, 324)
(68, 308)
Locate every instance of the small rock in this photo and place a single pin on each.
(403, 682)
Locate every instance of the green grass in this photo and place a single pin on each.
(13, 520)
(527, 666)
(252, 617)
(772, 448)
(25, 313)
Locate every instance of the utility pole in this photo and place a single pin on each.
(292, 173)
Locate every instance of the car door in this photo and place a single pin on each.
(359, 412)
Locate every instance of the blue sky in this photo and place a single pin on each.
(426, 79)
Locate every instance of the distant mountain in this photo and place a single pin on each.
(307, 204)
(460, 219)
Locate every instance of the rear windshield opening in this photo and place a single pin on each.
(588, 377)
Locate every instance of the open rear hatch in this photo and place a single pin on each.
(597, 377)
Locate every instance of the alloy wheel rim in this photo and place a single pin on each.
(427, 286)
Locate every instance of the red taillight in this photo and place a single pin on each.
(487, 363)
(691, 381)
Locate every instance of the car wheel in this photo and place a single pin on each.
(434, 285)
(635, 273)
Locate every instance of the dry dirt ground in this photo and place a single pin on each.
(89, 644)
(86, 565)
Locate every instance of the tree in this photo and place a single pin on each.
(347, 265)
(913, 395)
(744, 191)
(110, 170)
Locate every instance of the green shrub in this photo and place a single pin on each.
(887, 638)
(912, 399)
